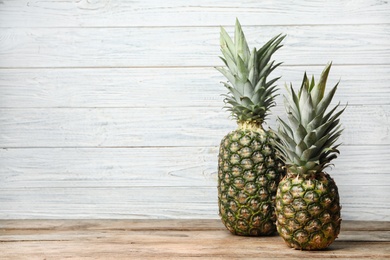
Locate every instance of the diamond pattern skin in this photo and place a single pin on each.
(248, 176)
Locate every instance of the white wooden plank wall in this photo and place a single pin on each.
(112, 109)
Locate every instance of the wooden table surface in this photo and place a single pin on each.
(173, 239)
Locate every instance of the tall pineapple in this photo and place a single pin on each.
(307, 200)
(248, 168)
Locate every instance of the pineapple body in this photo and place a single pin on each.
(307, 201)
(308, 211)
(248, 177)
(248, 171)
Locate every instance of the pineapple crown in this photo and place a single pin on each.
(250, 94)
(307, 140)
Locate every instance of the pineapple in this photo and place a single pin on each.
(307, 200)
(248, 168)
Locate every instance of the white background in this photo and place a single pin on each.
(112, 109)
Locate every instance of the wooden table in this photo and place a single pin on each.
(173, 239)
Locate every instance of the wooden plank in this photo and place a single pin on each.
(178, 183)
(135, 127)
(156, 167)
(364, 213)
(365, 226)
(201, 12)
(185, 46)
(185, 247)
(168, 87)
(113, 127)
(10, 236)
(358, 201)
(30, 225)
(184, 202)
(15, 226)
(78, 240)
(104, 203)
(153, 167)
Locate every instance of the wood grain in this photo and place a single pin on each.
(106, 13)
(188, 126)
(112, 109)
(106, 239)
(11, 225)
(113, 183)
(185, 202)
(172, 166)
(170, 87)
(195, 46)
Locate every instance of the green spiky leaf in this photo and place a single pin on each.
(308, 139)
(250, 94)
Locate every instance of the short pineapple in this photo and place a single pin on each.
(307, 200)
(248, 168)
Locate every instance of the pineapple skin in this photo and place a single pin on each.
(248, 177)
(308, 211)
